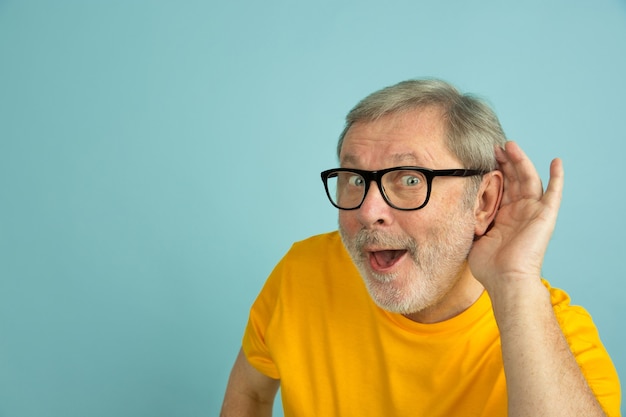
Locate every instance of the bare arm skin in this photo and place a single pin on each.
(543, 378)
(249, 393)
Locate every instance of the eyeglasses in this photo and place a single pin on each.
(403, 188)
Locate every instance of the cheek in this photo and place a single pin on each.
(348, 221)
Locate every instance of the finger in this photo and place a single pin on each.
(521, 177)
(509, 173)
(554, 191)
(524, 170)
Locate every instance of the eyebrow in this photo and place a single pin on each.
(399, 158)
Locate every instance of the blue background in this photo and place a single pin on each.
(158, 158)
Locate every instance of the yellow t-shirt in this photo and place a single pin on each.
(315, 327)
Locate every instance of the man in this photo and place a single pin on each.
(429, 300)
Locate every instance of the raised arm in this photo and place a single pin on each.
(542, 375)
(249, 392)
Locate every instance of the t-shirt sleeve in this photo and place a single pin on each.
(255, 336)
(591, 355)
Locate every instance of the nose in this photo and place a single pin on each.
(374, 210)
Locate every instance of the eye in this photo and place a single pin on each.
(410, 180)
(356, 180)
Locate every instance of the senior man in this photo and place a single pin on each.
(429, 300)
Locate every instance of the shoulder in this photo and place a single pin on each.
(562, 302)
(577, 326)
(322, 242)
(567, 314)
(313, 266)
(584, 341)
(324, 249)
(319, 257)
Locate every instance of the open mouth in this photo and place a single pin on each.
(385, 259)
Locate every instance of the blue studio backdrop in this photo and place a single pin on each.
(158, 158)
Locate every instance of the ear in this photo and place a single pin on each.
(488, 201)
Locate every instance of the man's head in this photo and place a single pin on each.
(472, 129)
(414, 262)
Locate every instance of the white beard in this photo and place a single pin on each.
(437, 263)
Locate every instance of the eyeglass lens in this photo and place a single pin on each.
(405, 189)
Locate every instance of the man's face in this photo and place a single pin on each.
(411, 261)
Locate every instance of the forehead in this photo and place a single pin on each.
(415, 137)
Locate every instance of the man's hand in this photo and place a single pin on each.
(514, 248)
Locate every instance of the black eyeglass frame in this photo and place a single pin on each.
(377, 176)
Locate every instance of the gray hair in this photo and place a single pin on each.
(472, 128)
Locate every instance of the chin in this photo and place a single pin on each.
(389, 294)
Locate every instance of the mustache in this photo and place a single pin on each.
(377, 238)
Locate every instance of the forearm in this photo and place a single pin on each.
(543, 377)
